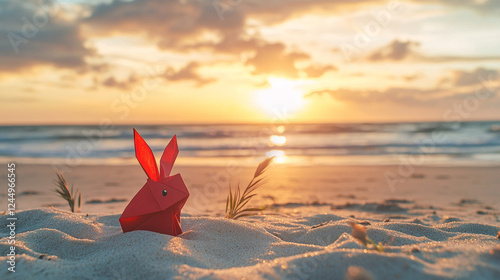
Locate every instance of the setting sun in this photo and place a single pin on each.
(277, 140)
(282, 97)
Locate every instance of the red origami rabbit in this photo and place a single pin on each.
(157, 206)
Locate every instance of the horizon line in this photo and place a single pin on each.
(246, 123)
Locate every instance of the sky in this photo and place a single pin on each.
(248, 61)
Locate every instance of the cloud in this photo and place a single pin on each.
(35, 33)
(121, 84)
(171, 24)
(295, 8)
(401, 96)
(265, 58)
(491, 6)
(188, 73)
(316, 71)
(446, 59)
(457, 86)
(195, 26)
(398, 50)
(273, 59)
(184, 27)
(413, 77)
(410, 96)
(464, 78)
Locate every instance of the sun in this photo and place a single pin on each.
(282, 98)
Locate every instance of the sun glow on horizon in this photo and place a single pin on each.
(282, 97)
(279, 156)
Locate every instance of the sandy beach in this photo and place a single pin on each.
(440, 223)
(456, 191)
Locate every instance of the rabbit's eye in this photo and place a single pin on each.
(164, 192)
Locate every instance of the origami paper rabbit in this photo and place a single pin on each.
(157, 205)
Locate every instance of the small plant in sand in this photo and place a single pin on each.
(236, 201)
(359, 233)
(66, 193)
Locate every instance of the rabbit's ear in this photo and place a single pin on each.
(145, 156)
(168, 158)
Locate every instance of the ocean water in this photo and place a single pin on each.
(298, 144)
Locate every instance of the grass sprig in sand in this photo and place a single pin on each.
(66, 193)
(359, 233)
(236, 201)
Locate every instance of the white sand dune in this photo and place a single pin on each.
(55, 244)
